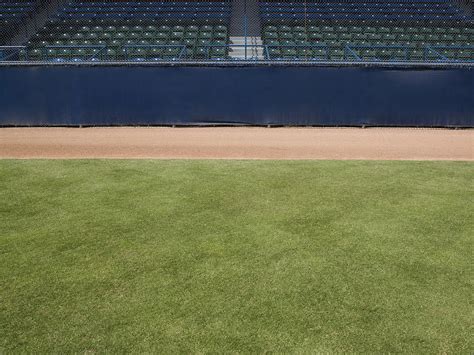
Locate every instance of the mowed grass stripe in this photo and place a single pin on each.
(236, 256)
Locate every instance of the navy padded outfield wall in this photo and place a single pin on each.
(258, 95)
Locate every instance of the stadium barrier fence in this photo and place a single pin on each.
(258, 95)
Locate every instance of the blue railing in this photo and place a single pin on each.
(312, 52)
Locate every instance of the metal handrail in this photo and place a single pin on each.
(350, 51)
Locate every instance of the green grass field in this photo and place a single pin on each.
(236, 256)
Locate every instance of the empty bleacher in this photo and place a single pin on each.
(316, 30)
(135, 30)
(335, 30)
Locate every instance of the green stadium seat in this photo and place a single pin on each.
(288, 53)
(120, 35)
(374, 36)
(115, 43)
(447, 38)
(389, 37)
(274, 52)
(337, 54)
(426, 30)
(368, 54)
(206, 28)
(162, 35)
(345, 36)
(218, 52)
(201, 52)
(304, 53)
(205, 35)
(355, 29)
(271, 35)
(416, 54)
(35, 54)
(190, 35)
(285, 35)
(300, 36)
(328, 36)
(161, 42)
(65, 36)
(220, 35)
(272, 42)
(432, 37)
(315, 36)
(190, 42)
(203, 42)
(418, 37)
(176, 35)
(385, 54)
(320, 54)
(192, 28)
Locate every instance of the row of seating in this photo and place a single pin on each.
(133, 31)
(122, 34)
(59, 28)
(95, 3)
(156, 30)
(139, 9)
(357, 28)
(274, 17)
(462, 35)
(132, 10)
(13, 12)
(131, 52)
(367, 30)
(416, 10)
(369, 42)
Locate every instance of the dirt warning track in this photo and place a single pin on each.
(238, 143)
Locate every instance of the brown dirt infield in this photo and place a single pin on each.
(238, 143)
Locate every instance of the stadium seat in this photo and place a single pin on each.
(134, 29)
(377, 30)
